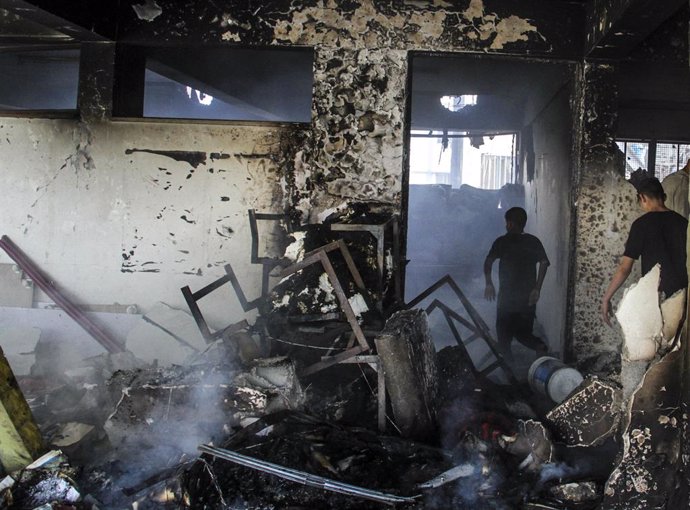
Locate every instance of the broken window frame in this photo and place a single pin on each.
(455, 178)
(134, 62)
(40, 110)
(652, 154)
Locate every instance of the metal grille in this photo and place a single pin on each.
(496, 171)
(667, 157)
(636, 156)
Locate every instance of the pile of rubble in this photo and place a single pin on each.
(335, 398)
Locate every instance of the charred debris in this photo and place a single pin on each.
(335, 397)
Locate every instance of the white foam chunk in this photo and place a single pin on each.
(639, 315)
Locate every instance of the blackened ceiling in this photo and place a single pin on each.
(611, 30)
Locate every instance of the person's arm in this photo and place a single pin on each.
(536, 291)
(489, 290)
(622, 273)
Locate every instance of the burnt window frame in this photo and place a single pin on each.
(47, 113)
(129, 84)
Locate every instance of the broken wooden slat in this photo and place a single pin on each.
(320, 255)
(477, 325)
(329, 361)
(20, 437)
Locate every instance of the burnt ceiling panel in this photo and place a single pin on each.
(534, 27)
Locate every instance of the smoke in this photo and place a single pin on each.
(164, 414)
(562, 472)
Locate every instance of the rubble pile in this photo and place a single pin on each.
(318, 406)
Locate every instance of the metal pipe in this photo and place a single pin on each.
(47, 286)
(304, 478)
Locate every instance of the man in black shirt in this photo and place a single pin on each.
(519, 282)
(658, 237)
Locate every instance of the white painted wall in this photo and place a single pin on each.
(75, 202)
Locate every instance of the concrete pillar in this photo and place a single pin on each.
(409, 364)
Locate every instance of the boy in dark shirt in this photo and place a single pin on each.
(658, 237)
(519, 282)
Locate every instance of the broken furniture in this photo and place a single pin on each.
(385, 232)
(295, 444)
(320, 255)
(175, 407)
(374, 362)
(193, 297)
(475, 325)
(352, 353)
(51, 290)
(268, 263)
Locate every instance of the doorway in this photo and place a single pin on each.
(486, 134)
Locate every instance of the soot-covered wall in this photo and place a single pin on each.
(114, 216)
(605, 209)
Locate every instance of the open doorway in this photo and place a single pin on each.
(486, 134)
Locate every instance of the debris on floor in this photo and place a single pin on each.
(335, 397)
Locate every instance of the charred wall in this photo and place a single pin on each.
(605, 208)
(156, 210)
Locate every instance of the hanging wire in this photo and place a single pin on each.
(307, 346)
(371, 389)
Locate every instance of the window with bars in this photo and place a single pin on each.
(659, 158)
(670, 157)
(497, 171)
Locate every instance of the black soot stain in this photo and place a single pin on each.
(225, 232)
(194, 158)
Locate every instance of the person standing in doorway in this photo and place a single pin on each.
(519, 283)
(676, 188)
(657, 237)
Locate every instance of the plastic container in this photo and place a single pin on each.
(553, 378)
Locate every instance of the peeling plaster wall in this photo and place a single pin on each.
(605, 207)
(112, 226)
(547, 199)
(602, 232)
(360, 71)
(131, 212)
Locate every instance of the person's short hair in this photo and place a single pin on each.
(517, 216)
(652, 188)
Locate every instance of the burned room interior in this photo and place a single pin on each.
(243, 253)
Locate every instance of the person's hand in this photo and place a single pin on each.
(533, 297)
(489, 292)
(606, 311)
